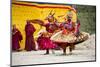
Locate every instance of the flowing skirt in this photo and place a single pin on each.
(69, 38)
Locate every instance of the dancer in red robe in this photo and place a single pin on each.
(29, 43)
(44, 40)
(16, 38)
(45, 43)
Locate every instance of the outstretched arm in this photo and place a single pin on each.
(37, 21)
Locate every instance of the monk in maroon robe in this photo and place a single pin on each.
(29, 43)
(16, 38)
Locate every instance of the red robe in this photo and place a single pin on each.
(51, 27)
(29, 43)
(16, 38)
(45, 43)
(77, 31)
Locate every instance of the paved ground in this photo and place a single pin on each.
(83, 52)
